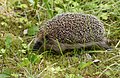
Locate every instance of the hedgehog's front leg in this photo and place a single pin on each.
(56, 46)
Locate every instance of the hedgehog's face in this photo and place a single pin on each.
(37, 43)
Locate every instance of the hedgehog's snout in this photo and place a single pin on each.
(37, 45)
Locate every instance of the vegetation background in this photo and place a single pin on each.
(19, 23)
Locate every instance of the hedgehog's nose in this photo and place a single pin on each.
(36, 46)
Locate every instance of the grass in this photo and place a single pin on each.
(19, 23)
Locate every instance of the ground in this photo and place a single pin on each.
(20, 21)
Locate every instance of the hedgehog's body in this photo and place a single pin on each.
(72, 31)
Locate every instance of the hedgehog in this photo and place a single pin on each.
(69, 31)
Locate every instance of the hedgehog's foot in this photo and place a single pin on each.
(103, 45)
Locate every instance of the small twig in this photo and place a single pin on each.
(30, 44)
(45, 70)
(117, 56)
(99, 51)
(59, 47)
(106, 69)
(117, 44)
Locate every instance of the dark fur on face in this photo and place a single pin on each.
(37, 45)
